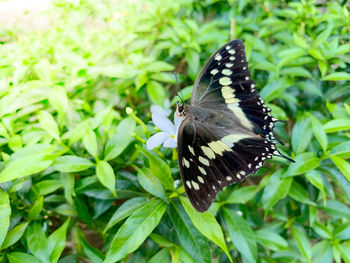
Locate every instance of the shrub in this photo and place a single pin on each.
(77, 182)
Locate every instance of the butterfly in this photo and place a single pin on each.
(226, 133)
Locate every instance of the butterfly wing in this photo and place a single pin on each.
(213, 157)
(224, 85)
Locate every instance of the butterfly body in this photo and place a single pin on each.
(226, 132)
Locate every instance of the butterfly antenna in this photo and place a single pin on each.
(179, 90)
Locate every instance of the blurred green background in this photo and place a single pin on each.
(76, 181)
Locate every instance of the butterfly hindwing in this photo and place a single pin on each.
(210, 160)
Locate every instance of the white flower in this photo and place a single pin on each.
(168, 134)
(164, 111)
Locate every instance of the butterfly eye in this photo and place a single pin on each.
(180, 108)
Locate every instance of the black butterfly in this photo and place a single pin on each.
(226, 133)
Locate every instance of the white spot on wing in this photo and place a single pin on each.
(226, 72)
(219, 147)
(191, 149)
(208, 152)
(240, 115)
(229, 65)
(195, 185)
(232, 58)
(185, 162)
(203, 160)
(214, 71)
(228, 178)
(200, 179)
(231, 139)
(232, 51)
(218, 57)
(202, 170)
(189, 184)
(225, 81)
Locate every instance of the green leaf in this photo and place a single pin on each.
(192, 58)
(303, 163)
(241, 195)
(159, 168)
(207, 225)
(5, 209)
(36, 209)
(121, 139)
(337, 76)
(271, 240)
(94, 254)
(337, 125)
(105, 175)
(273, 90)
(42, 69)
(161, 256)
(90, 143)
(299, 40)
(344, 251)
(46, 187)
(59, 101)
(48, 123)
(342, 165)
(302, 242)
(336, 209)
(276, 189)
(123, 71)
(14, 235)
(57, 242)
(71, 163)
(161, 241)
(298, 193)
(156, 92)
(301, 135)
(135, 230)
(315, 179)
(37, 242)
(27, 161)
(322, 230)
(340, 149)
(125, 210)
(20, 257)
(316, 53)
(322, 252)
(296, 72)
(241, 235)
(190, 238)
(319, 132)
(82, 209)
(150, 183)
(159, 66)
(15, 142)
(342, 231)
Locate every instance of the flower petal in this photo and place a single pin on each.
(178, 120)
(163, 123)
(162, 111)
(170, 142)
(156, 140)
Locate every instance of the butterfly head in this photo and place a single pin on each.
(180, 109)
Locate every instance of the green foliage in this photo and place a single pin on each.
(76, 180)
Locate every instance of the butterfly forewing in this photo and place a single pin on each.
(227, 131)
